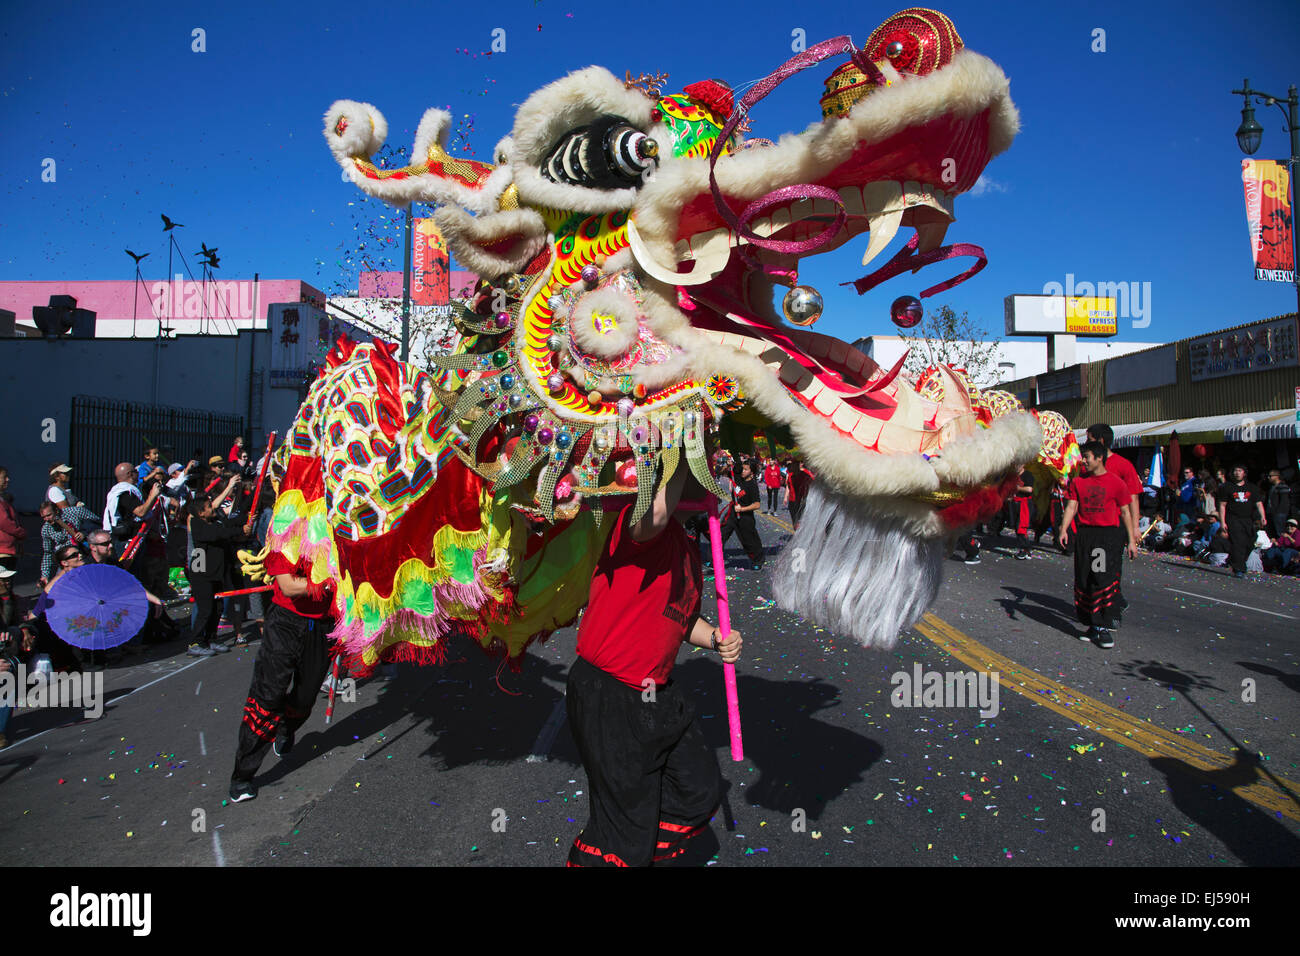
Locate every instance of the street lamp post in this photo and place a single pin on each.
(1249, 136)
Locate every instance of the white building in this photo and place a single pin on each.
(1018, 358)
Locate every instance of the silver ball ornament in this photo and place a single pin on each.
(802, 305)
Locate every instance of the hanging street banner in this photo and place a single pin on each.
(430, 265)
(1270, 218)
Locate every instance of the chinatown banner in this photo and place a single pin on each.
(430, 265)
(1270, 218)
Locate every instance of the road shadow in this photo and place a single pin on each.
(1206, 798)
(1044, 609)
(471, 709)
(803, 763)
(11, 764)
(1173, 677)
(1223, 572)
(1289, 681)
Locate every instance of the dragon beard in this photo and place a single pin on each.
(857, 570)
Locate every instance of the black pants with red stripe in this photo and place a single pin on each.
(1098, 552)
(652, 778)
(291, 663)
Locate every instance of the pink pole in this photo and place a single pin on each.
(724, 627)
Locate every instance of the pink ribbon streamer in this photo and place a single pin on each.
(908, 259)
(810, 57)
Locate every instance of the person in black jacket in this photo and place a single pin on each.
(207, 567)
(1278, 502)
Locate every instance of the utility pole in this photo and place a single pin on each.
(406, 289)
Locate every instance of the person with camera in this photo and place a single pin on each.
(208, 567)
(12, 534)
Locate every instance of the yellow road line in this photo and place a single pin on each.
(780, 523)
(1131, 731)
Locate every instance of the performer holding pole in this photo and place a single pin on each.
(653, 778)
(291, 663)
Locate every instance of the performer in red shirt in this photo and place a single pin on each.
(653, 779)
(294, 651)
(1123, 469)
(1100, 500)
(772, 481)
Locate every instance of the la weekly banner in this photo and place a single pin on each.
(1270, 218)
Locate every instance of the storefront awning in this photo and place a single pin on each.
(1122, 432)
(1267, 426)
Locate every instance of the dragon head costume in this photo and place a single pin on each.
(641, 261)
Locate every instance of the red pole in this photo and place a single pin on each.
(334, 683)
(261, 476)
(226, 594)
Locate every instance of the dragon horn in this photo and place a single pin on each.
(355, 131)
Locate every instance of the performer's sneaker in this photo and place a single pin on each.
(973, 559)
(219, 648)
(1104, 639)
(1023, 556)
(1089, 635)
(241, 790)
(201, 650)
(283, 745)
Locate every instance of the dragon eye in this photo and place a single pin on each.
(607, 154)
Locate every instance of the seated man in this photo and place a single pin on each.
(1208, 529)
(1157, 538)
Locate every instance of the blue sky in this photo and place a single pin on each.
(1126, 168)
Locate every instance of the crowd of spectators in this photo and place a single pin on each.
(1199, 517)
(144, 526)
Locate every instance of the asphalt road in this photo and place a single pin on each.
(1176, 748)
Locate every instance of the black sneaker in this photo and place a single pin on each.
(241, 790)
(1023, 556)
(973, 559)
(1089, 635)
(283, 745)
(1104, 638)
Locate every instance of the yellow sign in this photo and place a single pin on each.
(1090, 315)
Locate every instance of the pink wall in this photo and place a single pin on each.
(115, 298)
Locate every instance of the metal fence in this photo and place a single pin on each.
(106, 432)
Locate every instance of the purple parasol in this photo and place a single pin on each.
(96, 606)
